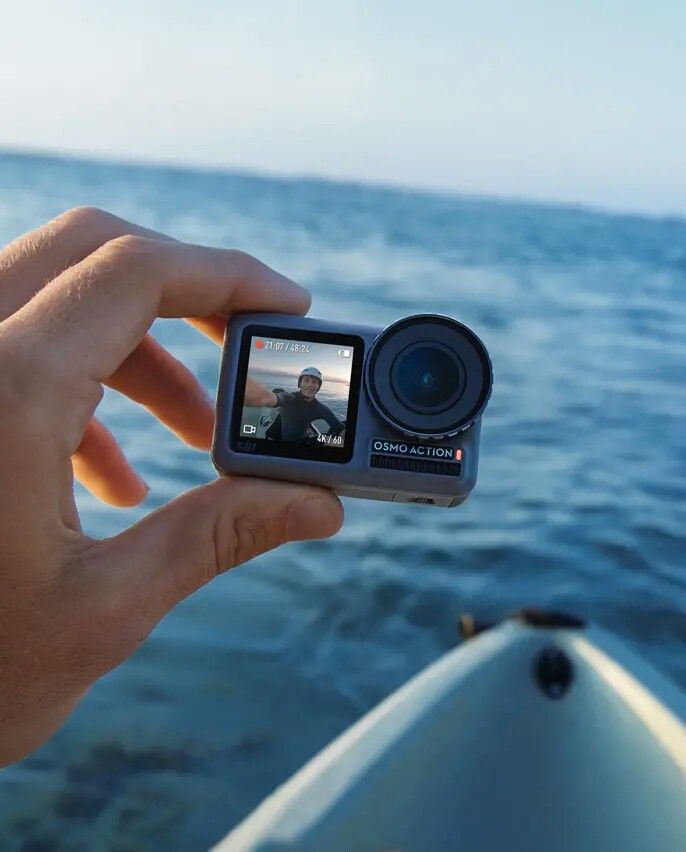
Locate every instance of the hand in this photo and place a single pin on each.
(256, 394)
(71, 607)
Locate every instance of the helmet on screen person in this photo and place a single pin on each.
(310, 371)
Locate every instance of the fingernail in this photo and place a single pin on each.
(314, 517)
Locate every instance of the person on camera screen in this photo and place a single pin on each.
(299, 409)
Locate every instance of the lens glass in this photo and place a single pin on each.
(427, 377)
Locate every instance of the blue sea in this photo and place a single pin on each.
(580, 504)
(332, 394)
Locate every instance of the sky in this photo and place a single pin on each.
(324, 356)
(581, 102)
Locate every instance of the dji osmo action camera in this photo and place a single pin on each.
(387, 414)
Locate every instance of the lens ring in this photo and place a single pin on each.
(429, 376)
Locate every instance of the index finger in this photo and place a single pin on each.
(256, 394)
(92, 316)
(35, 258)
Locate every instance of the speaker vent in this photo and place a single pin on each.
(416, 465)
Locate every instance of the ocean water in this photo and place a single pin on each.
(332, 394)
(580, 505)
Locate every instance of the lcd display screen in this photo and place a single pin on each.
(298, 394)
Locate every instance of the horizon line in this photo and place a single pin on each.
(283, 371)
(143, 162)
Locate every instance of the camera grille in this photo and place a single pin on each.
(416, 465)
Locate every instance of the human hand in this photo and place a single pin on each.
(256, 394)
(72, 607)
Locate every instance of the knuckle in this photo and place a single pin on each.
(241, 261)
(238, 539)
(132, 250)
(86, 218)
(256, 534)
(132, 244)
(239, 256)
(223, 549)
(247, 539)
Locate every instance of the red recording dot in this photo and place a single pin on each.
(259, 344)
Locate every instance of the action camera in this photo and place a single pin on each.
(386, 414)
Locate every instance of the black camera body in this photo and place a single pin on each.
(386, 414)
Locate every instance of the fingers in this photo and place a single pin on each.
(183, 545)
(28, 263)
(92, 316)
(257, 394)
(101, 466)
(156, 380)
(34, 259)
(150, 375)
(88, 320)
(168, 389)
(163, 385)
(212, 327)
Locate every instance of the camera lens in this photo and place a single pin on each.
(429, 376)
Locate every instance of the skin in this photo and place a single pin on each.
(258, 395)
(77, 298)
(309, 387)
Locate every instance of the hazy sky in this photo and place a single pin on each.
(323, 356)
(578, 101)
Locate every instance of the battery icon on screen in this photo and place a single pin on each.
(344, 353)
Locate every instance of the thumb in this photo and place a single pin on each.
(186, 543)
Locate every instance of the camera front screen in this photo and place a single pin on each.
(297, 394)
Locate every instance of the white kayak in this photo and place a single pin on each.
(522, 739)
